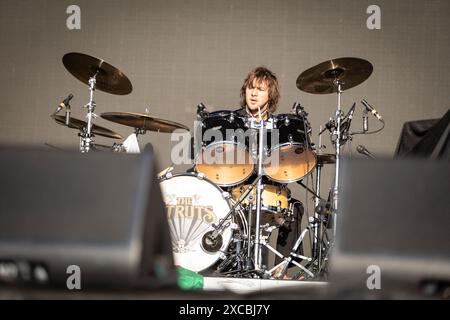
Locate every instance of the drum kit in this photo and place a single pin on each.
(221, 214)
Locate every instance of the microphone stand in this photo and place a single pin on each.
(67, 114)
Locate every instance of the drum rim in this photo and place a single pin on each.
(199, 176)
(292, 143)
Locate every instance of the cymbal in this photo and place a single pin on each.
(109, 79)
(75, 123)
(143, 121)
(326, 158)
(320, 79)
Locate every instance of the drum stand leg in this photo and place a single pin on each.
(317, 225)
(283, 265)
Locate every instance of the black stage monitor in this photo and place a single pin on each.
(393, 219)
(98, 215)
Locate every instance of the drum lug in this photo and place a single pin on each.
(226, 195)
(286, 121)
(200, 175)
(290, 138)
(168, 175)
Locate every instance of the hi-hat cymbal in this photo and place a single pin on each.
(321, 78)
(75, 123)
(143, 121)
(109, 79)
(326, 158)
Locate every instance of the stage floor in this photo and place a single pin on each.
(245, 285)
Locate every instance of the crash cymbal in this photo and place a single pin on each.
(75, 123)
(108, 79)
(143, 121)
(320, 79)
(326, 158)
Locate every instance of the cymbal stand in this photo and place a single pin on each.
(86, 137)
(337, 132)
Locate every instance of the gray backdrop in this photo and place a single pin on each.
(180, 53)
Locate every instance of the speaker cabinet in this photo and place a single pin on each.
(100, 214)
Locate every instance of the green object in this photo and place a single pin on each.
(189, 280)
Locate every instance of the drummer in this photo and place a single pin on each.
(260, 94)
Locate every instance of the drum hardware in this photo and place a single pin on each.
(213, 236)
(202, 114)
(308, 189)
(261, 126)
(249, 262)
(97, 74)
(335, 76)
(283, 265)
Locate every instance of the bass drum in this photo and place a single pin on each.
(193, 204)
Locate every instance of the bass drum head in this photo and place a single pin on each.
(193, 205)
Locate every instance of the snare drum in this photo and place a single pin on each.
(292, 157)
(224, 157)
(193, 204)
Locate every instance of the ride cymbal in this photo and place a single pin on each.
(81, 125)
(321, 79)
(109, 79)
(143, 121)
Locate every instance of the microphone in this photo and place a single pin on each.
(64, 103)
(365, 120)
(371, 109)
(330, 125)
(350, 117)
(361, 149)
